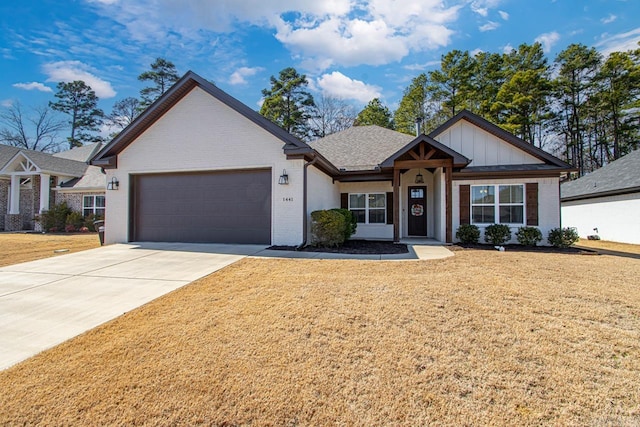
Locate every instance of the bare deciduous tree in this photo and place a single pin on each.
(36, 130)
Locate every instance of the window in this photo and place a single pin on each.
(507, 208)
(369, 208)
(93, 205)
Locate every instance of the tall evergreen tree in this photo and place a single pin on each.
(416, 103)
(288, 103)
(451, 84)
(487, 79)
(375, 113)
(80, 102)
(163, 74)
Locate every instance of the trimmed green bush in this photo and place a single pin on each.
(55, 219)
(497, 234)
(75, 220)
(351, 223)
(90, 219)
(327, 228)
(468, 234)
(563, 237)
(529, 236)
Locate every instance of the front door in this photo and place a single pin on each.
(417, 211)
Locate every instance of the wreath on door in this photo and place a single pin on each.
(417, 210)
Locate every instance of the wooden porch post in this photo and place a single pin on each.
(448, 196)
(396, 204)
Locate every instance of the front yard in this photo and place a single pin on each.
(482, 338)
(22, 247)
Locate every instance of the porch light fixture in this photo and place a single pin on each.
(419, 178)
(114, 184)
(284, 178)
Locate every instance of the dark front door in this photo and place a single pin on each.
(417, 211)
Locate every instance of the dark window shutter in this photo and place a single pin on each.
(532, 203)
(344, 200)
(465, 204)
(390, 208)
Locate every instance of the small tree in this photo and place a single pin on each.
(36, 131)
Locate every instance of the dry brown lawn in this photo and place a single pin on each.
(483, 338)
(610, 246)
(23, 247)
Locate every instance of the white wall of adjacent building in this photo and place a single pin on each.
(616, 218)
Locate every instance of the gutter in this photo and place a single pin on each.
(304, 202)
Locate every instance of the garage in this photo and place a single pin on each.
(204, 207)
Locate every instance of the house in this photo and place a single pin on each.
(200, 166)
(32, 181)
(605, 202)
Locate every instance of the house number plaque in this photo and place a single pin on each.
(287, 199)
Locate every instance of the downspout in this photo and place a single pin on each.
(304, 202)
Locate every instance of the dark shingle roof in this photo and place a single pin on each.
(46, 162)
(361, 147)
(619, 176)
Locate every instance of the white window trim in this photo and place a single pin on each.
(94, 206)
(367, 208)
(496, 205)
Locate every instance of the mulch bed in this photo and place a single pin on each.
(363, 247)
(521, 248)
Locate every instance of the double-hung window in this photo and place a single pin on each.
(369, 208)
(497, 204)
(93, 205)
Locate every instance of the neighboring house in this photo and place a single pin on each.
(32, 181)
(605, 202)
(200, 166)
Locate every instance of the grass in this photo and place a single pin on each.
(610, 246)
(483, 338)
(23, 247)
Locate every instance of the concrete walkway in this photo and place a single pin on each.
(44, 303)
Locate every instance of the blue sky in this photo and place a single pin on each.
(350, 49)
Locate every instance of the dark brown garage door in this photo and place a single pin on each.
(218, 207)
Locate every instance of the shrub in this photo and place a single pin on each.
(468, 233)
(69, 228)
(74, 220)
(90, 219)
(529, 236)
(83, 230)
(55, 218)
(497, 234)
(563, 237)
(351, 222)
(327, 228)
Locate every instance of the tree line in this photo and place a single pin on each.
(582, 107)
(38, 128)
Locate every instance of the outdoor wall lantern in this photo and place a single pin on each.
(419, 178)
(114, 184)
(284, 178)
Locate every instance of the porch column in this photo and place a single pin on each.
(14, 199)
(448, 196)
(396, 205)
(44, 192)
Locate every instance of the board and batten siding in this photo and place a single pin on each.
(482, 147)
(615, 217)
(200, 133)
(548, 202)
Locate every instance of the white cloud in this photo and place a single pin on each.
(482, 7)
(507, 48)
(238, 77)
(340, 86)
(6, 103)
(318, 33)
(618, 42)
(33, 86)
(504, 15)
(489, 26)
(422, 67)
(609, 19)
(68, 71)
(548, 40)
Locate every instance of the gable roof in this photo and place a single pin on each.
(80, 154)
(47, 163)
(618, 177)
(107, 156)
(360, 147)
(458, 159)
(502, 134)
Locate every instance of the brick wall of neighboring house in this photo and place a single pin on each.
(4, 201)
(75, 200)
(26, 207)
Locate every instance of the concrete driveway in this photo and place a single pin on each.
(44, 303)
